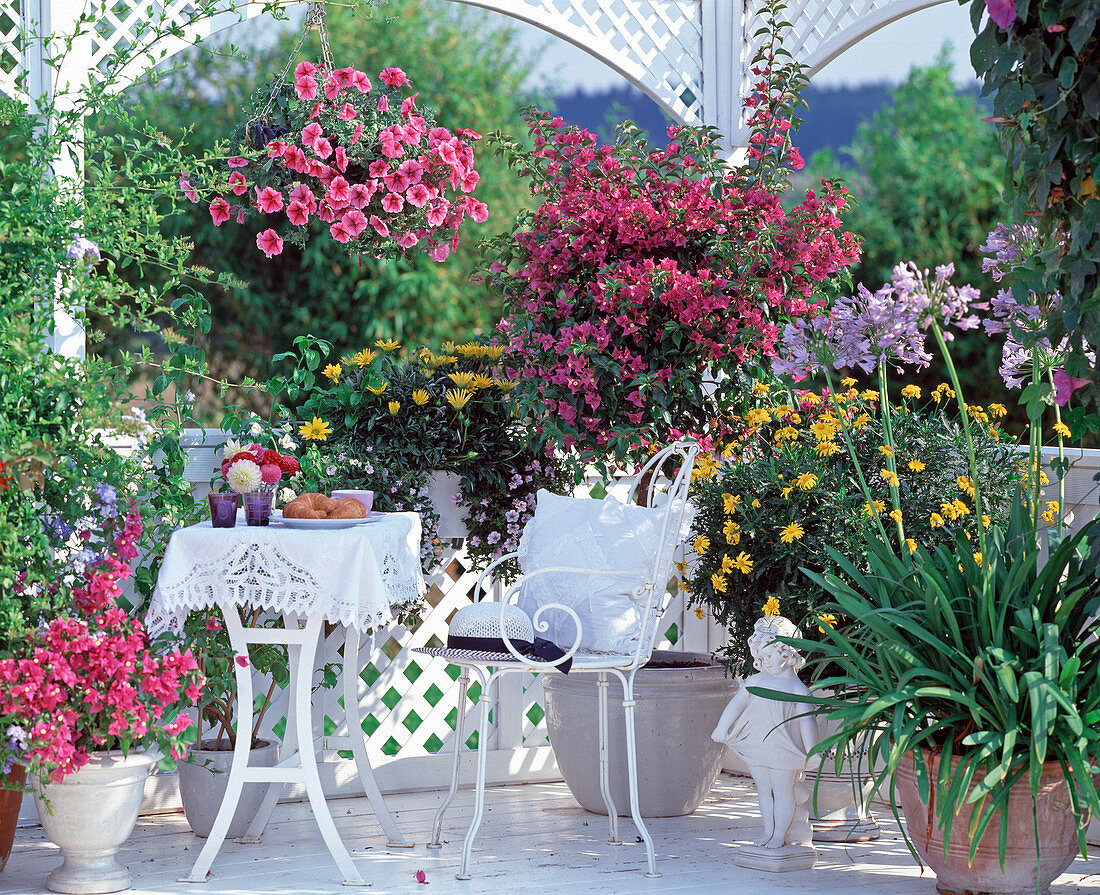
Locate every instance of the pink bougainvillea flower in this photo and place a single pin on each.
(311, 133)
(304, 70)
(269, 200)
(1002, 12)
(1055, 29)
(297, 212)
(421, 876)
(392, 203)
(305, 87)
(242, 661)
(393, 77)
(219, 211)
(1065, 385)
(188, 190)
(347, 112)
(379, 225)
(269, 242)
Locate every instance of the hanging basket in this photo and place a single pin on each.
(364, 160)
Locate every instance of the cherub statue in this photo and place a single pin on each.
(770, 739)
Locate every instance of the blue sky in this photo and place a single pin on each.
(887, 55)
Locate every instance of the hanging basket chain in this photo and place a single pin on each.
(315, 18)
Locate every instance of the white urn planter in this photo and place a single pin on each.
(203, 777)
(677, 708)
(89, 815)
(839, 804)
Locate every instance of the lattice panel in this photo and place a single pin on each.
(10, 45)
(657, 44)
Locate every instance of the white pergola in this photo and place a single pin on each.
(691, 56)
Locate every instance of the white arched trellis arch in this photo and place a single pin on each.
(690, 56)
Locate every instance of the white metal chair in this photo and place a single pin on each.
(649, 594)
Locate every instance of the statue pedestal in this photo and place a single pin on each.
(775, 860)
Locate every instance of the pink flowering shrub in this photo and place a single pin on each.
(362, 161)
(644, 271)
(89, 680)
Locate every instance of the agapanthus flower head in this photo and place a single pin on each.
(83, 249)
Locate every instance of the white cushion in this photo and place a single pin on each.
(583, 533)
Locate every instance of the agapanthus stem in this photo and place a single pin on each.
(867, 495)
(970, 456)
(888, 438)
(1061, 460)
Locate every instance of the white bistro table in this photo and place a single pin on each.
(349, 576)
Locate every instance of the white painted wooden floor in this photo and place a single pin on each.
(535, 840)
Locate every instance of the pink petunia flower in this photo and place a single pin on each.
(1065, 385)
(355, 222)
(237, 162)
(393, 203)
(418, 195)
(302, 193)
(339, 232)
(338, 191)
(356, 134)
(332, 89)
(297, 213)
(469, 181)
(269, 242)
(238, 183)
(408, 240)
(360, 80)
(347, 112)
(1002, 12)
(383, 103)
(304, 70)
(408, 104)
(326, 213)
(378, 168)
(341, 159)
(440, 252)
(305, 87)
(311, 133)
(322, 147)
(360, 195)
(393, 77)
(269, 200)
(379, 225)
(219, 212)
(188, 190)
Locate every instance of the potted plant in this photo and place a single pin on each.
(89, 695)
(786, 492)
(964, 669)
(363, 159)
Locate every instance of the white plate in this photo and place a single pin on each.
(321, 524)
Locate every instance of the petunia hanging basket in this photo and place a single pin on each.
(363, 161)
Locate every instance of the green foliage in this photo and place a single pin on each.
(464, 66)
(789, 495)
(925, 179)
(989, 659)
(1043, 73)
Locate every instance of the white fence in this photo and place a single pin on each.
(408, 701)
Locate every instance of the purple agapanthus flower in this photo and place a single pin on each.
(82, 249)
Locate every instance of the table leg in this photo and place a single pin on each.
(394, 837)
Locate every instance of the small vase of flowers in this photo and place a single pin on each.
(254, 472)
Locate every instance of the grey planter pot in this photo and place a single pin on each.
(676, 712)
(203, 777)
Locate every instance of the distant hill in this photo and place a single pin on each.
(833, 115)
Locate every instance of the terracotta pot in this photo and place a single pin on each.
(677, 708)
(10, 800)
(1020, 876)
(203, 777)
(90, 814)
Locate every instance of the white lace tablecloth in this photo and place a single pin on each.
(350, 576)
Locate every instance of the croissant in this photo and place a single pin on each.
(309, 506)
(348, 508)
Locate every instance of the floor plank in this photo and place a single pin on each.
(534, 840)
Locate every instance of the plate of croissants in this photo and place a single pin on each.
(318, 511)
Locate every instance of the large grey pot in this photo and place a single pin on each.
(203, 777)
(677, 710)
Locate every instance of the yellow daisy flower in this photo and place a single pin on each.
(730, 502)
(387, 344)
(718, 582)
(847, 382)
(792, 533)
(874, 507)
(743, 563)
(806, 481)
(827, 449)
(868, 394)
(886, 450)
(935, 520)
(315, 430)
(916, 465)
(757, 417)
(727, 563)
(787, 433)
(895, 515)
(828, 618)
(459, 398)
(462, 380)
(891, 478)
(823, 430)
(755, 504)
(760, 389)
(363, 358)
(911, 544)
(700, 613)
(997, 410)
(771, 607)
(1062, 429)
(701, 544)
(911, 391)
(333, 371)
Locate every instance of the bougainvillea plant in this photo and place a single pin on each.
(89, 680)
(644, 274)
(365, 160)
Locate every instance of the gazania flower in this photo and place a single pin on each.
(462, 380)
(333, 371)
(420, 397)
(506, 385)
(394, 406)
(387, 344)
(459, 398)
(481, 381)
(315, 430)
(377, 389)
(363, 358)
